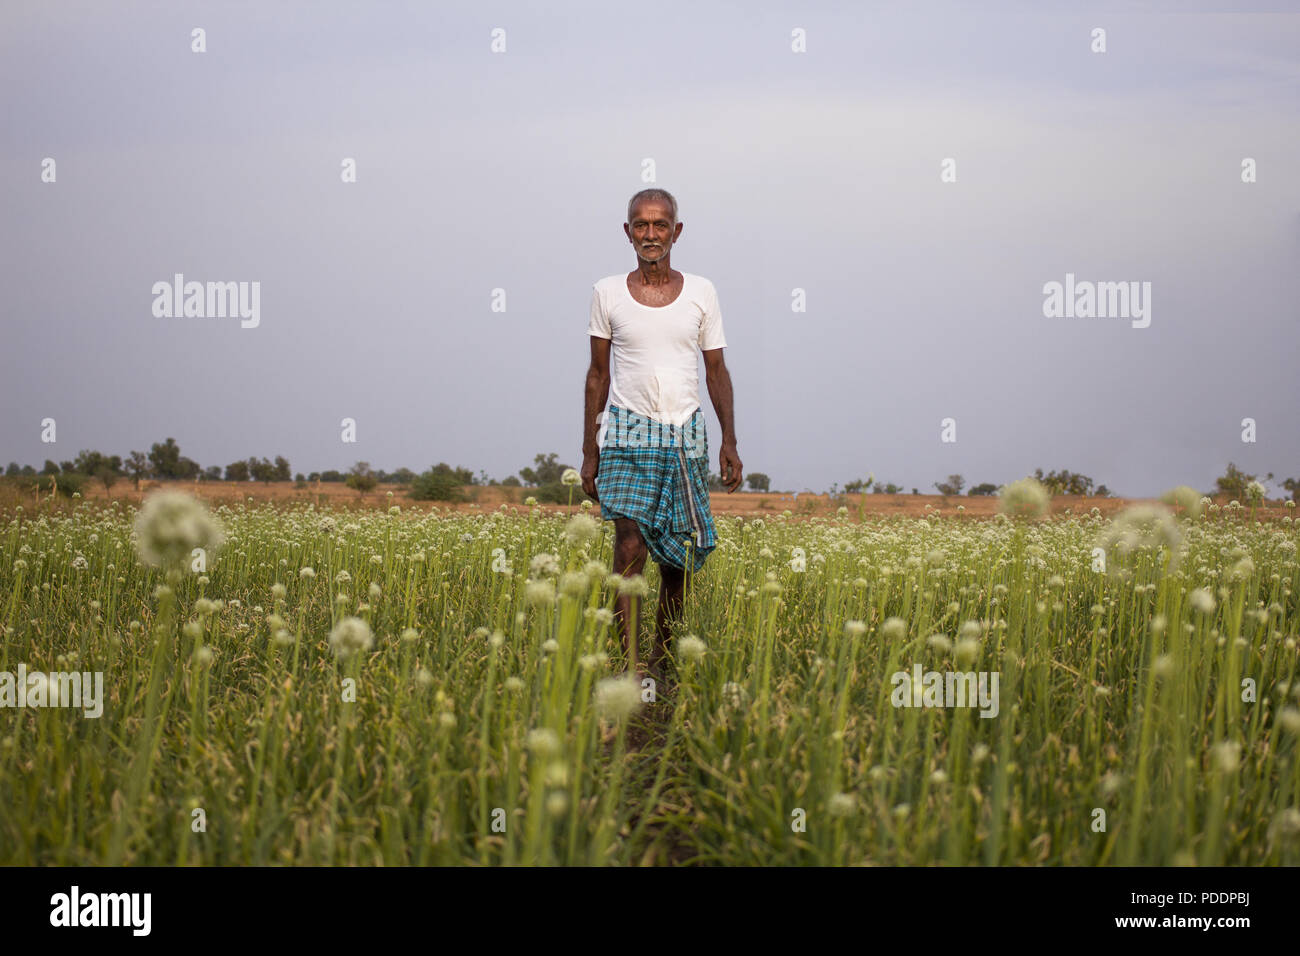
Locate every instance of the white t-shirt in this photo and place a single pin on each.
(656, 349)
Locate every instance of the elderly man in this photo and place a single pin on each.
(651, 473)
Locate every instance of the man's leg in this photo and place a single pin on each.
(630, 554)
(672, 593)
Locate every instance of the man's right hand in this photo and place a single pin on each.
(590, 465)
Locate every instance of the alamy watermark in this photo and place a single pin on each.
(76, 908)
(199, 300)
(626, 429)
(84, 689)
(946, 689)
(1103, 300)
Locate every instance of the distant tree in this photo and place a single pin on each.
(261, 469)
(758, 481)
(13, 471)
(1233, 483)
(404, 476)
(1102, 491)
(28, 471)
(187, 468)
(361, 478)
(439, 483)
(281, 468)
(101, 467)
(237, 471)
(314, 476)
(137, 466)
(49, 468)
(548, 470)
(331, 475)
(952, 486)
(858, 486)
(888, 488)
(165, 459)
(558, 493)
(1064, 482)
(915, 491)
(212, 473)
(1292, 485)
(455, 476)
(511, 482)
(67, 466)
(69, 482)
(984, 488)
(299, 477)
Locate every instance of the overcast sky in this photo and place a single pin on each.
(816, 171)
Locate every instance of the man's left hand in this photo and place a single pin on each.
(732, 469)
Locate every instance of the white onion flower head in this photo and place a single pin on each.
(1025, 497)
(1202, 600)
(570, 477)
(841, 804)
(633, 584)
(350, 635)
(966, 651)
(940, 642)
(1227, 755)
(544, 564)
(734, 696)
(691, 649)
(540, 593)
(581, 529)
(170, 525)
(894, 629)
(1289, 720)
(618, 697)
(574, 583)
(1143, 527)
(543, 741)
(1188, 501)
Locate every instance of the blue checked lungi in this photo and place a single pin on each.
(658, 475)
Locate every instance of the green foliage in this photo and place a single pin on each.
(548, 470)
(1234, 481)
(437, 485)
(1064, 482)
(165, 458)
(952, 486)
(557, 493)
(67, 482)
(361, 479)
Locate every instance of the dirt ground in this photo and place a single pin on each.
(490, 497)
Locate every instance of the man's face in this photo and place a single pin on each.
(651, 231)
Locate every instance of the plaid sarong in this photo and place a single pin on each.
(658, 475)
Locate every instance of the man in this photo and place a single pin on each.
(651, 474)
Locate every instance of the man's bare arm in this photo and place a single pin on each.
(597, 393)
(718, 380)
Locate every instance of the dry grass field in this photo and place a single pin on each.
(490, 497)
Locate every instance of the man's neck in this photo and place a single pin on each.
(655, 273)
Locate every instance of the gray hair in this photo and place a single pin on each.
(660, 194)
